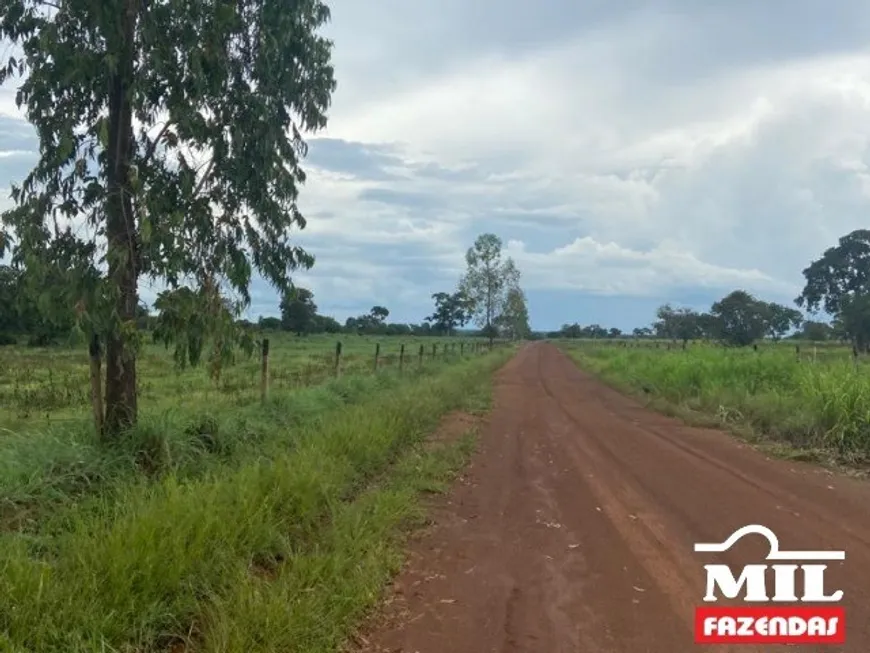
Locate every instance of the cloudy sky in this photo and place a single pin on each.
(628, 152)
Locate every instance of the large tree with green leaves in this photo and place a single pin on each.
(677, 323)
(741, 318)
(839, 283)
(451, 311)
(487, 280)
(171, 135)
(298, 311)
(782, 319)
(514, 318)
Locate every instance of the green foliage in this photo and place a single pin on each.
(677, 323)
(374, 322)
(839, 282)
(514, 319)
(854, 319)
(170, 147)
(741, 318)
(379, 314)
(311, 501)
(298, 311)
(577, 331)
(815, 331)
(191, 320)
(487, 281)
(782, 319)
(452, 310)
(809, 404)
(841, 272)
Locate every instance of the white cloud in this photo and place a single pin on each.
(610, 269)
(631, 148)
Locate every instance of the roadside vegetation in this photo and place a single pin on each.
(816, 403)
(756, 366)
(266, 528)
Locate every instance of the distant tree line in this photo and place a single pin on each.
(488, 294)
(837, 283)
(738, 319)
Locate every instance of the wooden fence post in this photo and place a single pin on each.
(421, 354)
(462, 349)
(401, 358)
(96, 383)
(338, 359)
(434, 347)
(377, 354)
(797, 353)
(264, 372)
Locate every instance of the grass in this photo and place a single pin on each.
(41, 388)
(186, 432)
(225, 527)
(817, 405)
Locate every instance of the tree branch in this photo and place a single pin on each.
(152, 145)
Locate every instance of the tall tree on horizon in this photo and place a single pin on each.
(487, 280)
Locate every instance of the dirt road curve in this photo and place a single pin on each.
(574, 528)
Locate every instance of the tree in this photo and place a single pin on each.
(854, 320)
(593, 331)
(514, 318)
(642, 332)
(677, 323)
(838, 282)
(192, 319)
(782, 319)
(298, 311)
(269, 324)
(741, 318)
(325, 324)
(487, 281)
(815, 331)
(451, 311)
(614, 332)
(378, 315)
(708, 326)
(173, 132)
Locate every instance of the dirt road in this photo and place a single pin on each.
(574, 527)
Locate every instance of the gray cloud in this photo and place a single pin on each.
(628, 153)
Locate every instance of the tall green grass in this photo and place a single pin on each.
(823, 405)
(44, 469)
(279, 552)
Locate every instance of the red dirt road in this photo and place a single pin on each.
(573, 530)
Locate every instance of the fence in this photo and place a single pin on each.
(401, 359)
(54, 384)
(814, 352)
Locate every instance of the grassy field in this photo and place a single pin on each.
(219, 523)
(44, 387)
(816, 402)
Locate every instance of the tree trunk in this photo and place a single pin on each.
(122, 250)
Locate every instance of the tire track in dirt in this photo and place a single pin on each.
(573, 528)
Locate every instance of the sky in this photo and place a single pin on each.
(628, 153)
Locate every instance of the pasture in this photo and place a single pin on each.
(221, 522)
(815, 401)
(42, 388)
